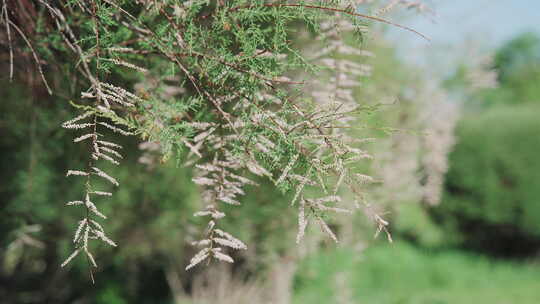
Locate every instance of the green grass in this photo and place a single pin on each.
(401, 274)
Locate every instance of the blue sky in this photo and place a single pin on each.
(462, 24)
(493, 21)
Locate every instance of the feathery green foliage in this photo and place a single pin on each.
(206, 82)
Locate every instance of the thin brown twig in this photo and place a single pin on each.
(34, 54)
(332, 9)
(8, 30)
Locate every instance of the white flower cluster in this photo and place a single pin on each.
(329, 127)
(221, 185)
(90, 121)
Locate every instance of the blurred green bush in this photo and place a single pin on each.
(150, 215)
(400, 273)
(493, 184)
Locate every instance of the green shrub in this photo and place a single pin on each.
(493, 184)
(413, 222)
(399, 273)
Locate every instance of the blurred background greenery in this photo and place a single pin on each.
(468, 235)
